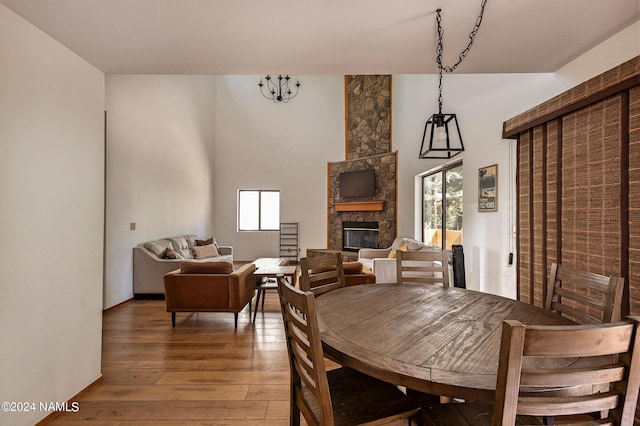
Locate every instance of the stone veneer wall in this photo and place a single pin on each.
(385, 166)
(368, 108)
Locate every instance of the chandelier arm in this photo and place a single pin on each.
(279, 91)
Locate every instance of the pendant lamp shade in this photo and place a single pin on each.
(442, 134)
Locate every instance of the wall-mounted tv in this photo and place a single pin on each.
(358, 183)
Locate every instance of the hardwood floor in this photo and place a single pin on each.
(203, 371)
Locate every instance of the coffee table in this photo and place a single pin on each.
(270, 267)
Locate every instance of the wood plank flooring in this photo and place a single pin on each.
(202, 372)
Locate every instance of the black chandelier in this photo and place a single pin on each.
(445, 139)
(278, 91)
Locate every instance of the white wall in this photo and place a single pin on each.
(51, 216)
(614, 51)
(263, 145)
(482, 103)
(159, 167)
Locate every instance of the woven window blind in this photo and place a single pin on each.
(634, 200)
(578, 184)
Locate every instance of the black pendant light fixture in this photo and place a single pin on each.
(277, 88)
(442, 130)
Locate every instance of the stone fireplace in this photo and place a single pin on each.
(368, 146)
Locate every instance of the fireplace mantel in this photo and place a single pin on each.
(369, 206)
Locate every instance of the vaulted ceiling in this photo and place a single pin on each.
(325, 36)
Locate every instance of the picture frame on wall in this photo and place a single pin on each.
(488, 189)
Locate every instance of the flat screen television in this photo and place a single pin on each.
(358, 183)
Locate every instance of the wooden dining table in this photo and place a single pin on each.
(441, 341)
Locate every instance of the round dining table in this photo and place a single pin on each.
(441, 341)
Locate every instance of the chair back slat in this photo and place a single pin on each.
(584, 297)
(423, 266)
(568, 370)
(309, 384)
(322, 273)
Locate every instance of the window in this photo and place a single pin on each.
(442, 207)
(258, 210)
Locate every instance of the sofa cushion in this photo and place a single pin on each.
(171, 254)
(181, 246)
(413, 245)
(192, 267)
(203, 252)
(159, 247)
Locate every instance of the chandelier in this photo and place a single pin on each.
(278, 91)
(443, 131)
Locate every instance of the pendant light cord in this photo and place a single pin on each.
(463, 54)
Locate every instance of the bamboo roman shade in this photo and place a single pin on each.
(578, 184)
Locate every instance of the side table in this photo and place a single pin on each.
(270, 267)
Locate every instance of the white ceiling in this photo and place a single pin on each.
(324, 36)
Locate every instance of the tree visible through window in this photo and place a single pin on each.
(442, 207)
(258, 210)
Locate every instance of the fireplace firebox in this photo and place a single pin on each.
(357, 235)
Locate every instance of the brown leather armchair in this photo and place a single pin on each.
(209, 287)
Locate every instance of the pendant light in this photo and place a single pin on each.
(442, 130)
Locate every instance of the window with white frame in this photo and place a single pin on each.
(442, 206)
(258, 210)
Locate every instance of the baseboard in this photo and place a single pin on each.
(73, 399)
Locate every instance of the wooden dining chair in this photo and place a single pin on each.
(535, 359)
(321, 273)
(337, 397)
(423, 266)
(584, 297)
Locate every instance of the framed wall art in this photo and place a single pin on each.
(488, 189)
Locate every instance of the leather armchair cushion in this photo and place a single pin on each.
(206, 268)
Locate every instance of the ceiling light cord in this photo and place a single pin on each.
(463, 54)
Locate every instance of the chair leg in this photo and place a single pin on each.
(173, 319)
(255, 313)
(264, 293)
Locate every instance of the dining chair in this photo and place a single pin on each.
(423, 266)
(342, 396)
(537, 358)
(321, 273)
(584, 297)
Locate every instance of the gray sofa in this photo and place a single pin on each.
(150, 263)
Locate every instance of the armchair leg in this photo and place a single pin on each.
(173, 319)
(235, 320)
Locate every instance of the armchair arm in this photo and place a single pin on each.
(242, 285)
(225, 250)
(385, 270)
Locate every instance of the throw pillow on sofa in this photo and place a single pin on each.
(171, 254)
(211, 240)
(403, 247)
(203, 252)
